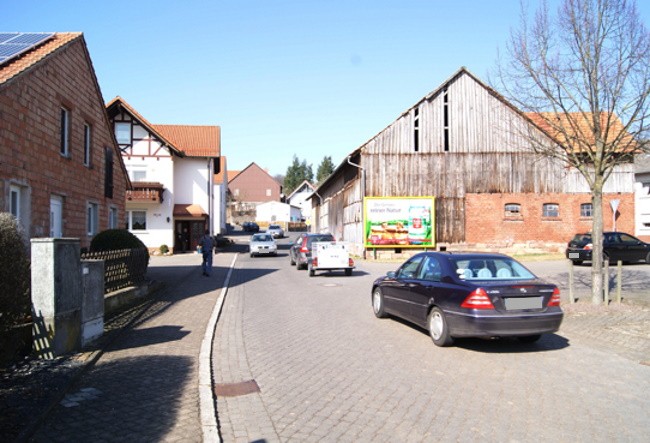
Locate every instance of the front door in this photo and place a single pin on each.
(56, 217)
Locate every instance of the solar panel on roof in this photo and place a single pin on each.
(12, 44)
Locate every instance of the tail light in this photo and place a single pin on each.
(303, 248)
(314, 262)
(588, 247)
(555, 298)
(477, 299)
(351, 263)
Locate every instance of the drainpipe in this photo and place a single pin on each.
(363, 195)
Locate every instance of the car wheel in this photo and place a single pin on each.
(529, 338)
(348, 272)
(378, 303)
(311, 272)
(647, 258)
(577, 262)
(438, 328)
(291, 260)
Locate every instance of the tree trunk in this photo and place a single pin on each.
(597, 244)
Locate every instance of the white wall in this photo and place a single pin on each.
(642, 206)
(273, 212)
(159, 231)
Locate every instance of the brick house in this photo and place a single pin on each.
(61, 173)
(247, 188)
(172, 170)
(466, 147)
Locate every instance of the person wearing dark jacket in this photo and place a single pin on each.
(207, 246)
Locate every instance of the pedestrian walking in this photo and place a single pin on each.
(207, 246)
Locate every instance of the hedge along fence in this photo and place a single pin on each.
(122, 268)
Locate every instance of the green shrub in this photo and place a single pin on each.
(116, 239)
(15, 274)
(164, 249)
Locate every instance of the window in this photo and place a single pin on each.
(65, 132)
(268, 192)
(87, 142)
(431, 270)
(512, 210)
(92, 219)
(551, 210)
(112, 218)
(14, 201)
(137, 220)
(409, 269)
(445, 105)
(123, 133)
(586, 210)
(416, 129)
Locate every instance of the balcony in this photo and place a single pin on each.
(146, 192)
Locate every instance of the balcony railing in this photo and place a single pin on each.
(146, 192)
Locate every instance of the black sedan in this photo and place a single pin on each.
(469, 295)
(616, 246)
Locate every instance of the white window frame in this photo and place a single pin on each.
(120, 133)
(113, 219)
(92, 219)
(130, 220)
(14, 203)
(87, 144)
(547, 206)
(584, 206)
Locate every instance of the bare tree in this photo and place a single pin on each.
(583, 76)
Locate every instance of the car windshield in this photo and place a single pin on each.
(262, 237)
(317, 238)
(491, 268)
(274, 227)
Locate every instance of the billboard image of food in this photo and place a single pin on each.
(399, 222)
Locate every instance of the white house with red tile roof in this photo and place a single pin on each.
(172, 169)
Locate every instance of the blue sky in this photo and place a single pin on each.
(281, 78)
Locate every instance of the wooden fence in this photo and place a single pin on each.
(122, 268)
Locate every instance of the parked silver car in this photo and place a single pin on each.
(276, 231)
(262, 244)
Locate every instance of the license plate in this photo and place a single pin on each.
(574, 255)
(519, 303)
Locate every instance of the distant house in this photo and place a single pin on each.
(172, 169)
(248, 188)
(462, 145)
(300, 198)
(61, 173)
(277, 212)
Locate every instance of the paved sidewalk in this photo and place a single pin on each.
(145, 385)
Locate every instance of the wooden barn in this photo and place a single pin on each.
(468, 148)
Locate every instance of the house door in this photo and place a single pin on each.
(56, 217)
(182, 236)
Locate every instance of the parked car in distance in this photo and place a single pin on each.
(276, 231)
(262, 244)
(250, 227)
(616, 246)
(469, 295)
(300, 248)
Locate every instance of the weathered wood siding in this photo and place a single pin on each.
(481, 147)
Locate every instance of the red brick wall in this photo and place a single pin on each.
(29, 143)
(485, 220)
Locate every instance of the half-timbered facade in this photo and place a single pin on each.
(467, 146)
(172, 169)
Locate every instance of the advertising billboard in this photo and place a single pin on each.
(399, 222)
